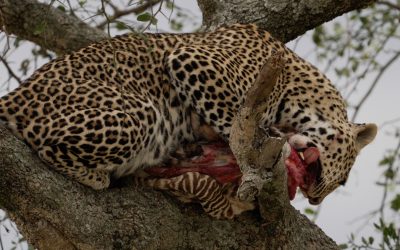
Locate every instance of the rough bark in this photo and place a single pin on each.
(284, 19)
(46, 26)
(61, 33)
(54, 212)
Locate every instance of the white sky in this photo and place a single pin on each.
(360, 196)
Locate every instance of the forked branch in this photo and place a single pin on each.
(255, 151)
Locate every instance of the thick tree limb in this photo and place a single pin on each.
(284, 19)
(63, 33)
(55, 213)
(46, 26)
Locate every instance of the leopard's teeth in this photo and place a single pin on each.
(301, 155)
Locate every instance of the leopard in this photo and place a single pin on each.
(127, 103)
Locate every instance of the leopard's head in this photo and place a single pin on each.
(312, 115)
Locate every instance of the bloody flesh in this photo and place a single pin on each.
(217, 161)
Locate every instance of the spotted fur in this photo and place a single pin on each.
(126, 103)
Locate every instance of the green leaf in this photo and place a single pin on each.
(309, 211)
(60, 7)
(145, 17)
(395, 203)
(24, 66)
(120, 26)
(39, 29)
(371, 240)
(17, 41)
(175, 25)
(82, 2)
(390, 174)
(154, 21)
(387, 160)
(340, 52)
(342, 72)
(343, 246)
(390, 231)
(364, 241)
(359, 47)
(170, 4)
(364, 20)
(338, 28)
(354, 66)
(318, 35)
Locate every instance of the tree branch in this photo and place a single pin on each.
(389, 4)
(63, 33)
(46, 26)
(248, 139)
(374, 83)
(120, 13)
(10, 70)
(284, 19)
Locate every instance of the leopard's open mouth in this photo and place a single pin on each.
(304, 170)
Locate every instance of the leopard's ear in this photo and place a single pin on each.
(365, 134)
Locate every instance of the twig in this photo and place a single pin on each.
(7, 47)
(396, 152)
(385, 188)
(377, 78)
(395, 120)
(153, 14)
(172, 10)
(391, 5)
(367, 68)
(10, 71)
(71, 10)
(119, 13)
(296, 43)
(1, 243)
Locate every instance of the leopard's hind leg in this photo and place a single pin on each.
(66, 162)
(88, 145)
